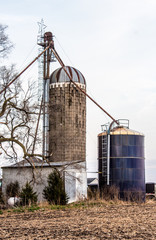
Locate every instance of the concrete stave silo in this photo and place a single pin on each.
(67, 129)
(67, 116)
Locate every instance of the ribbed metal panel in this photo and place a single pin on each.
(59, 75)
(127, 167)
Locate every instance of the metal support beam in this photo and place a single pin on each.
(23, 70)
(63, 66)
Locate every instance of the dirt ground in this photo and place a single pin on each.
(110, 221)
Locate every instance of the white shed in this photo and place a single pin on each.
(75, 177)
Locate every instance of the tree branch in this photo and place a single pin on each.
(4, 106)
(26, 154)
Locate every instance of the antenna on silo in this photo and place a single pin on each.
(44, 40)
(40, 42)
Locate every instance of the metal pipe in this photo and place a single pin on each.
(48, 41)
(63, 66)
(108, 150)
(43, 150)
(23, 70)
(46, 119)
(108, 157)
(37, 126)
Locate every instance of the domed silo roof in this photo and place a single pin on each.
(120, 130)
(60, 76)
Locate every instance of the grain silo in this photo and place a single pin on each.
(67, 116)
(67, 129)
(121, 160)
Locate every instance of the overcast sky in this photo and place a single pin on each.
(112, 42)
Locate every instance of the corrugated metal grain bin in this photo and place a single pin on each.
(126, 161)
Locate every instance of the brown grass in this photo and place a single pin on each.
(93, 219)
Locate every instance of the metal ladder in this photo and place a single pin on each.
(104, 156)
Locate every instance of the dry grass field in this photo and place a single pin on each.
(82, 221)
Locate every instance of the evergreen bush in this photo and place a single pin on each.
(55, 193)
(1, 197)
(27, 195)
(13, 189)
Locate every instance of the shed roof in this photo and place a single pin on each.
(92, 181)
(36, 162)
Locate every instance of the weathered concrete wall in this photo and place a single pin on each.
(67, 108)
(75, 180)
(76, 185)
(25, 174)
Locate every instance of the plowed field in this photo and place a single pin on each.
(110, 221)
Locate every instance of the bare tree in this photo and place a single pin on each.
(18, 117)
(19, 114)
(18, 110)
(5, 44)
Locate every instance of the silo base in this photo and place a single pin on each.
(108, 192)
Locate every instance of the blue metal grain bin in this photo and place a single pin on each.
(125, 166)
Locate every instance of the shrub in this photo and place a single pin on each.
(110, 193)
(1, 197)
(134, 195)
(13, 189)
(27, 195)
(93, 194)
(55, 193)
